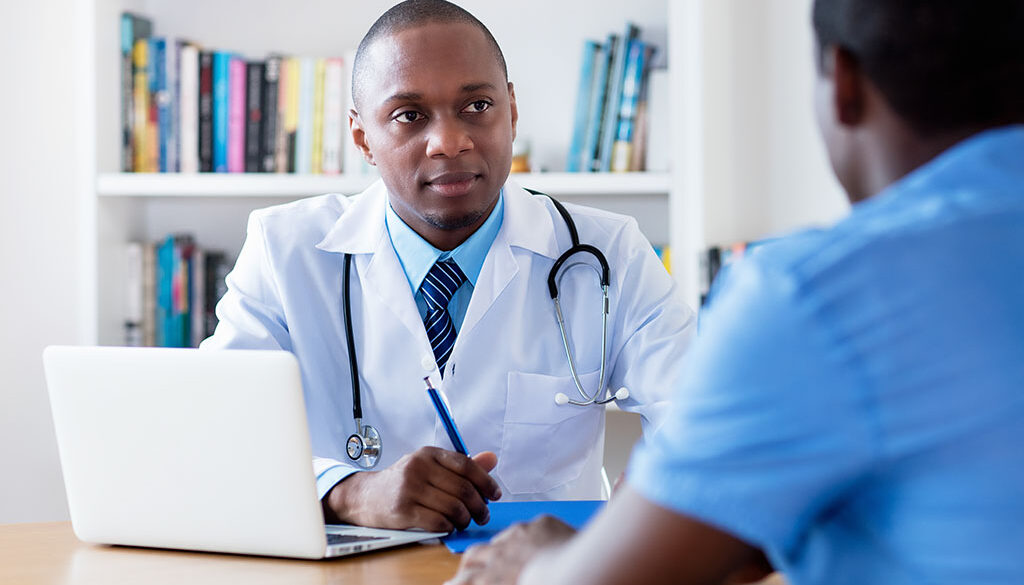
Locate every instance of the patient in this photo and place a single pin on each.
(854, 406)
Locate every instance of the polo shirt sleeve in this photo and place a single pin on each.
(769, 425)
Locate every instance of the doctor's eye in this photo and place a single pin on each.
(477, 107)
(408, 117)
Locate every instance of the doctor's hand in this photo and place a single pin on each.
(432, 489)
(501, 561)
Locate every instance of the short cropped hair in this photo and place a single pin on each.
(943, 65)
(410, 14)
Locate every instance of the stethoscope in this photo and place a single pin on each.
(364, 446)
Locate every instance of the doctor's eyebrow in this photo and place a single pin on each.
(412, 96)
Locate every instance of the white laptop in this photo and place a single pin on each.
(193, 449)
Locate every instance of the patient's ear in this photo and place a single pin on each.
(848, 79)
(355, 126)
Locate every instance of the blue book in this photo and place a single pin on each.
(610, 121)
(221, 61)
(158, 57)
(164, 286)
(602, 63)
(591, 50)
(304, 131)
(575, 513)
(631, 85)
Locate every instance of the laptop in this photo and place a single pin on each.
(191, 449)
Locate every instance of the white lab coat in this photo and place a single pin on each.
(508, 361)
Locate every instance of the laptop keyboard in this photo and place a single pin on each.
(350, 538)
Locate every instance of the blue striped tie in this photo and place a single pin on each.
(438, 287)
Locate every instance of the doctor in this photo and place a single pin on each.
(435, 113)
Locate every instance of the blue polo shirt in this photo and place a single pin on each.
(854, 403)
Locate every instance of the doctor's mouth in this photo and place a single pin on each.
(453, 184)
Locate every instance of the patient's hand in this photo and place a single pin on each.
(432, 489)
(501, 561)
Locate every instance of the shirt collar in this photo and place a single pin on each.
(417, 256)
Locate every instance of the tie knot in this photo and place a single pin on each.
(441, 283)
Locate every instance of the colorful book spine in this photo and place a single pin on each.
(271, 99)
(221, 87)
(317, 151)
(622, 149)
(575, 162)
(610, 119)
(173, 68)
(253, 116)
(290, 108)
(161, 104)
(140, 90)
(334, 116)
(236, 115)
(603, 61)
(206, 111)
(133, 28)
(164, 288)
(304, 130)
(188, 109)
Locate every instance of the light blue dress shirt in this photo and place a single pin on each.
(854, 403)
(417, 257)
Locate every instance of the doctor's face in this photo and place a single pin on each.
(437, 117)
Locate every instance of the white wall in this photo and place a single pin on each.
(37, 247)
(766, 171)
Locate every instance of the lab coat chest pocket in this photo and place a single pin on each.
(545, 445)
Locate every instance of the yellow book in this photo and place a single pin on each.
(140, 90)
(318, 115)
(291, 113)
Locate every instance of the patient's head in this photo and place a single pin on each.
(914, 71)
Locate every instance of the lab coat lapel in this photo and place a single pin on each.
(526, 224)
(361, 231)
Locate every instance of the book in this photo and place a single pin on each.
(134, 271)
(304, 127)
(317, 150)
(149, 294)
(575, 162)
(613, 101)
(236, 115)
(253, 116)
(188, 109)
(169, 103)
(603, 63)
(269, 119)
(289, 111)
(622, 148)
(334, 116)
(140, 90)
(641, 127)
(159, 107)
(133, 28)
(205, 147)
(221, 87)
(216, 266)
(197, 293)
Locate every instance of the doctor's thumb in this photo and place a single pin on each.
(486, 459)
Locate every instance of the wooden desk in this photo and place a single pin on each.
(49, 554)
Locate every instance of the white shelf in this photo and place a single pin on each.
(274, 185)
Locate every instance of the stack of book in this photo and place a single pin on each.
(611, 112)
(172, 289)
(188, 109)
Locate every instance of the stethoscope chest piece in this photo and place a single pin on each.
(364, 447)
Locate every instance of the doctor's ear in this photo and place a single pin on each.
(355, 126)
(515, 109)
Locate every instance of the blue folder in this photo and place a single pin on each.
(504, 514)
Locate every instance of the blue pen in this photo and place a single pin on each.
(446, 418)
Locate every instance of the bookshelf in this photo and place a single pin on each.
(120, 207)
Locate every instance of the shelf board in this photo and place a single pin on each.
(282, 185)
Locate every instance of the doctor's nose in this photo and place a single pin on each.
(447, 138)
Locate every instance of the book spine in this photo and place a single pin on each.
(174, 104)
(304, 130)
(290, 108)
(236, 115)
(632, 79)
(641, 128)
(268, 129)
(205, 146)
(140, 126)
(216, 268)
(579, 132)
(188, 110)
(149, 293)
(603, 63)
(134, 271)
(334, 121)
(613, 103)
(161, 103)
(221, 66)
(253, 116)
(197, 292)
(317, 150)
(164, 288)
(127, 105)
